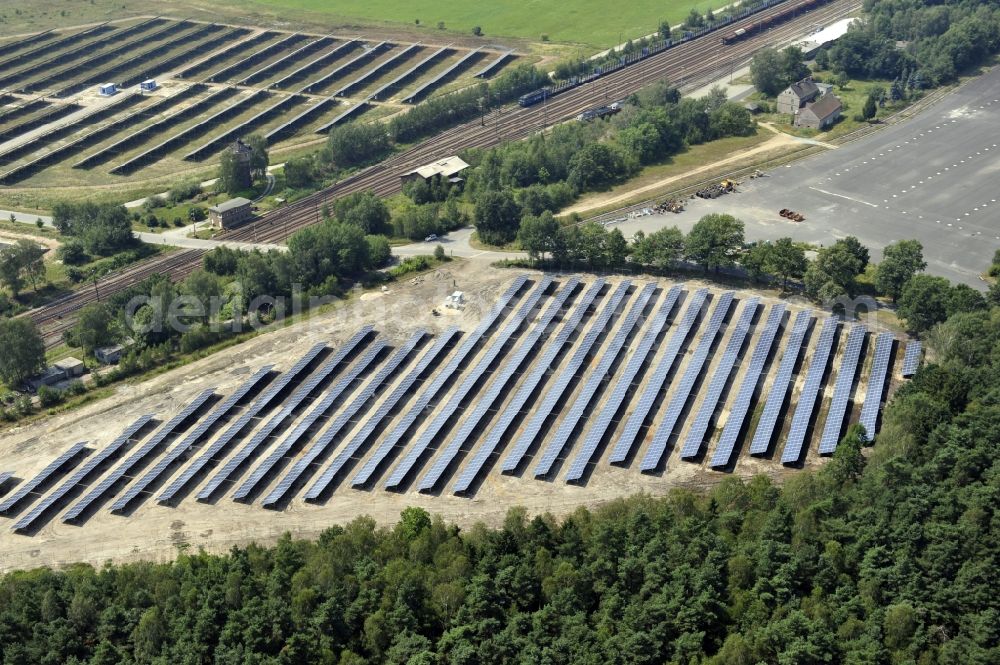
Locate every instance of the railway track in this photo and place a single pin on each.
(59, 316)
(686, 65)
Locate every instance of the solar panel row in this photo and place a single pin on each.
(911, 358)
(738, 411)
(699, 427)
(92, 464)
(486, 400)
(64, 463)
(842, 390)
(810, 391)
(555, 393)
(140, 486)
(252, 447)
(654, 454)
(516, 405)
(876, 383)
(342, 419)
(658, 378)
(375, 420)
(571, 418)
(5, 476)
(475, 375)
(613, 403)
(431, 390)
(260, 404)
(779, 388)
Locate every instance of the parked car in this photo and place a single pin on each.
(431, 238)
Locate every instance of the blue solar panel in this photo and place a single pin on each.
(5, 476)
(74, 481)
(136, 488)
(654, 455)
(381, 413)
(703, 418)
(842, 390)
(308, 387)
(809, 393)
(571, 419)
(340, 422)
(431, 390)
(487, 399)
(62, 464)
(658, 378)
(911, 359)
(876, 384)
(475, 375)
(779, 388)
(544, 409)
(614, 401)
(514, 408)
(260, 404)
(738, 412)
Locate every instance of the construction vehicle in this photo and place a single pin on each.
(716, 190)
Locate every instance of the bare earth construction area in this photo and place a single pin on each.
(578, 391)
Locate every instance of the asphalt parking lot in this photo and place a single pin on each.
(935, 177)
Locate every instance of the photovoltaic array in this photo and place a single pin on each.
(475, 375)
(703, 418)
(193, 437)
(338, 424)
(603, 418)
(517, 404)
(568, 374)
(781, 385)
(431, 390)
(308, 387)
(682, 392)
(658, 379)
(210, 454)
(842, 390)
(876, 383)
(741, 406)
(571, 419)
(373, 422)
(485, 400)
(558, 370)
(810, 391)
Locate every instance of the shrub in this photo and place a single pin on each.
(49, 396)
(75, 388)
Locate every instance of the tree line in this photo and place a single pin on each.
(884, 555)
(717, 243)
(939, 40)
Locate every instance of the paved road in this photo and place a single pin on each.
(933, 178)
(457, 244)
(174, 239)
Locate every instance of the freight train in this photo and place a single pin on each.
(770, 21)
(540, 95)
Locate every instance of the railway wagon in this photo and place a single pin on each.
(765, 23)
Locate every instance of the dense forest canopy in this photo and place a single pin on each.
(887, 556)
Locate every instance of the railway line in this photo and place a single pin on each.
(686, 65)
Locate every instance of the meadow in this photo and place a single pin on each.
(594, 23)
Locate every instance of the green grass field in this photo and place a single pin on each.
(593, 22)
